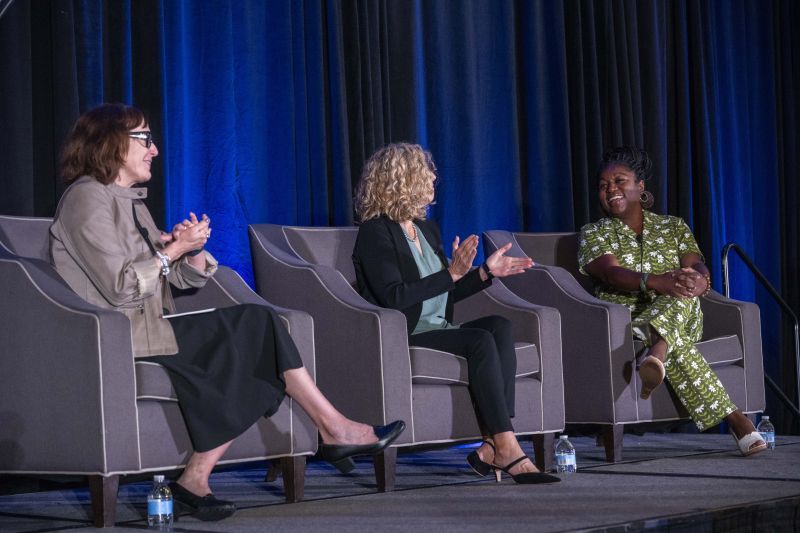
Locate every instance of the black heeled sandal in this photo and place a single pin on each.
(524, 478)
(479, 466)
(340, 455)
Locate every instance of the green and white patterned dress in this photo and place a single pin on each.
(665, 239)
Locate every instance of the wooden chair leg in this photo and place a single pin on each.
(294, 477)
(543, 451)
(273, 471)
(385, 466)
(103, 490)
(612, 440)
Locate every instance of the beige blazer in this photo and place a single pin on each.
(96, 247)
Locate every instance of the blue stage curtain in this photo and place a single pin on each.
(264, 111)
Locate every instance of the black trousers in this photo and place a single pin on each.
(488, 346)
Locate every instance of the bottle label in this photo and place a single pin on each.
(159, 507)
(565, 462)
(768, 436)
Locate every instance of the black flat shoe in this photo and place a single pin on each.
(524, 478)
(478, 465)
(340, 455)
(207, 508)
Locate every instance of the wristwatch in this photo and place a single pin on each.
(643, 282)
(164, 258)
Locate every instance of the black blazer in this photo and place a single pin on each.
(387, 274)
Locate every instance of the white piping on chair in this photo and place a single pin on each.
(582, 302)
(380, 333)
(99, 360)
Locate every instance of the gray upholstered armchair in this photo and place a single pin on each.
(599, 351)
(368, 370)
(74, 401)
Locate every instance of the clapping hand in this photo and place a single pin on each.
(190, 234)
(463, 255)
(501, 265)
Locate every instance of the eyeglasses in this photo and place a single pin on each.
(146, 136)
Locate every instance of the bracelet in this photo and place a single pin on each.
(485, 268)
(194, 252)
(708, 285)
(165, 261)
(643, 282)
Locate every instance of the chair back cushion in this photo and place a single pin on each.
(555, 249)
(332, 247)
(26, 236)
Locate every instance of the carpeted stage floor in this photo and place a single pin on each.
(675, 482)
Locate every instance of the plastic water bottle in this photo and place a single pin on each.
(767, 431)
(565, 456)
(159, 505)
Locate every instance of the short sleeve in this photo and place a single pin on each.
(684, 239)
(594, 242)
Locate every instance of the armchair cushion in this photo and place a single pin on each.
(721, 350)
(152, 382)
(435, 367)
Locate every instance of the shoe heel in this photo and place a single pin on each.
(497, 475)
(344, 465)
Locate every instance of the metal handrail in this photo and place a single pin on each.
(783, 305)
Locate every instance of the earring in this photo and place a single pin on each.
(647, 199)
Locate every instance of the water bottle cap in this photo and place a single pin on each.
(158, 479)
(563, 437)
(765, 417)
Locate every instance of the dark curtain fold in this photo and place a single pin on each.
(265, 112)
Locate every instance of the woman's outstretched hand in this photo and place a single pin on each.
(463, 256)
(500, 265)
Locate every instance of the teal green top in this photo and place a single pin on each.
(433, 309)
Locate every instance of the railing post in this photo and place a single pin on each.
(761, 278)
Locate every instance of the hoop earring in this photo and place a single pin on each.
(647, 199)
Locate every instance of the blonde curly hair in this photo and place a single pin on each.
(397, 181)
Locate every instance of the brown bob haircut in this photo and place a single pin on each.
(98, 143)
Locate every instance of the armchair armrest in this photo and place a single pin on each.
(530, 323)
(725, 316)
(67, 382)
(227, 288)
(597, 344)
(363, 363)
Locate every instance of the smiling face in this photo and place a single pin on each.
(138, 160)
(619, 192)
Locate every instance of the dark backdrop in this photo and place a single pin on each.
(264, 111)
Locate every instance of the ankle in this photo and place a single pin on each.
(194, 484)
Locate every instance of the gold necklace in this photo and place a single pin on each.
(414, 226)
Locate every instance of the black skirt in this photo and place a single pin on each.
(228, 371)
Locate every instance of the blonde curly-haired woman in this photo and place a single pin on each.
(400, 264)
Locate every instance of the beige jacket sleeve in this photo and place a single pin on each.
(106, 249)
(183, 275)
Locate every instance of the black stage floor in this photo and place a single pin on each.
(670, 482)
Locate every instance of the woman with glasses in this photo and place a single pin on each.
(106, 246)
(400, 264)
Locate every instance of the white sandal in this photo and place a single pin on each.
(747, 443)
(652, 374)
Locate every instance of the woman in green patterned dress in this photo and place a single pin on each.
(651, 264)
